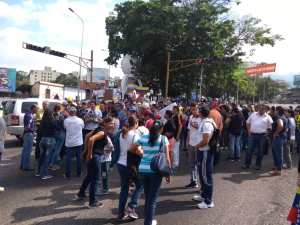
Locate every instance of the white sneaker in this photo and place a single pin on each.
(47, 177)
(197, 198)
(203, 205)
(2, 189)
(154, 222)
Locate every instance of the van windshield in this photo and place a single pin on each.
(26, 106)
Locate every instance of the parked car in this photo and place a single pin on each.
(15, 109)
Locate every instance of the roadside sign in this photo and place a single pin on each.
(260, 69)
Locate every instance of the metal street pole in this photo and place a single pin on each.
(201, 81)
(167, 73)
(81, 47)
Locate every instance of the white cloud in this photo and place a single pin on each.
(283, 18)
(53, 25)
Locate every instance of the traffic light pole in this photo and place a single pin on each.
(82, 62)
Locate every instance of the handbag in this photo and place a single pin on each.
(133, 163)
(159, 163)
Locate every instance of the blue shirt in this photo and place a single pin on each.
(28, 122)
(150, 151)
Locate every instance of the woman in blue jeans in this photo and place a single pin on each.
(150, 145)
(47, 144)
(128, 137)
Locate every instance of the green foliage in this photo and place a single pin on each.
(21, 79)
(189, 29)
(68, 80)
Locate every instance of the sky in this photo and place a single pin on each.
(50, 23)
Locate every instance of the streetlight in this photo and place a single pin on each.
(80, 59)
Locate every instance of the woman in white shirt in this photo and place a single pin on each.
(128, 138)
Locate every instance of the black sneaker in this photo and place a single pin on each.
(95, 205)
(79, 198)
(257, 167)
(192, 185)
(123, 217)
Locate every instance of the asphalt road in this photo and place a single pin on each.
(241, 197)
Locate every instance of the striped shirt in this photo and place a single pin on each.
(150, 151)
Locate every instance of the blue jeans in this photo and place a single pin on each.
(277, 150)
(71, 152)
(235, 146)
(205, 169)
(92, 178)
(151, 183)
(192, 153)
(26, 152)
(255, 141)
(125, 181)
(105, 175)
(46, 147)
(59, 141)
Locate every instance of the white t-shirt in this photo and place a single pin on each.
(125, 144)
(93, 115)
(194, 133)
(73, 126)
(206, 127)
(292, 127)
(259, 124)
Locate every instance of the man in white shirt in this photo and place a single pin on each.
(258, 125)
(193, 140)
(74, 141)
(205, 158)
(92, 118)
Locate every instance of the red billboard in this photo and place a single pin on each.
(260, 69)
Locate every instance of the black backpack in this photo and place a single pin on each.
(213, 142)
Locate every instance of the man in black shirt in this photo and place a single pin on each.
(235, 127)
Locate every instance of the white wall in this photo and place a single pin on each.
(53, 91)
(70, 92)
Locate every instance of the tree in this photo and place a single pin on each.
(189, 30)
(67, 79)
(21, 79)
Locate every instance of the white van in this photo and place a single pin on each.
(15, 109)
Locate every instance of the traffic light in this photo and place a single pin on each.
(46, 50)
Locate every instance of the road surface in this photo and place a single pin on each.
(241, 197)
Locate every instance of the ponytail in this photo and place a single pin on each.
(132, 121)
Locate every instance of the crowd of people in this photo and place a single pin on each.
(129, 135)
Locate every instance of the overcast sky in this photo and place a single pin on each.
(49, 23)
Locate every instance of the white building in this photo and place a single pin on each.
(47, 75)
(51, 91)
(100, 75)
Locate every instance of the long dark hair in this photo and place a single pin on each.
(132, 121)
(154, 132)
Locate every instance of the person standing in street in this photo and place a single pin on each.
(279, 138)
(29, 129)
(92, 118)
(59, 135)
(2, 140)
(205, 158)
(235, 126)
(98, 144)
(47, 144)
(74, 141)
(193, 140)
(258, 125)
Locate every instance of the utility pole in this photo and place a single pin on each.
(92, 64)
(167, 73)
(201, 80)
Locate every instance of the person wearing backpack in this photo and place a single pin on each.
(279, 131)
(205, 158)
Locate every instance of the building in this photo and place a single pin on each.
(48, 90)
(100, 75)
(297, 81)
(46, 75)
